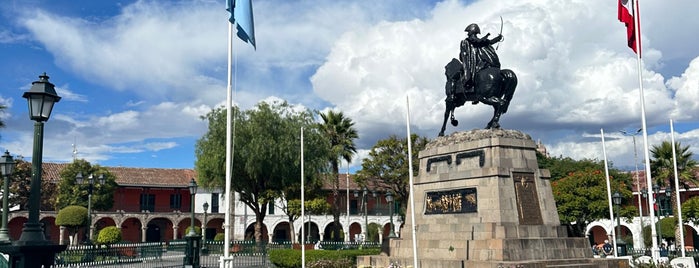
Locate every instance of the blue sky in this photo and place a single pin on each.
(135, 76)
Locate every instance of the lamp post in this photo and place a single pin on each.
(7, 167)
(656, 191)
(79, 179)
(389, 199)
(668, 200)
(635, 161)
(621, 246)
(32, 249)
(204, 250)
(191, 258)
(41, 97)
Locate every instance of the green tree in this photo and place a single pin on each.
(387, 163)
(561, 166)
(662, 167)
(316, 206)
(663, 171)
(581, 197)
(267, 154)
(109, 235)
(690, 210)
(72, 193)
(73, 218)
(340, 131)
(20, 188)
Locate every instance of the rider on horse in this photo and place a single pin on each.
(477, 54)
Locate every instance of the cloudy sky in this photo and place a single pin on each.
(136, 76)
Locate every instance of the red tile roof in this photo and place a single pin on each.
(126, 176)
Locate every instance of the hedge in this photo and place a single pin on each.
(291, 258)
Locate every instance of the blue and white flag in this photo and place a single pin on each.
(241, 14)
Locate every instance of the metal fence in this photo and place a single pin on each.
(171, 254)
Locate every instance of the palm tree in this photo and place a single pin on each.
(340, 132)
(662, 169)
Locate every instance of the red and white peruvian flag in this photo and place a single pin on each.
(626, 15)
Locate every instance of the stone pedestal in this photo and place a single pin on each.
(482, 201)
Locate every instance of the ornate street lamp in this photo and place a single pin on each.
(204, 250)
(7, 167)
(389, 199)
(668, 200)
(91, 183)
(656, 192)
(191, 258)
(41, 97)
(32, 249)
(365, 191)
(621, 246)
(192, 192)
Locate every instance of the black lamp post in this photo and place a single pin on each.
(41, 97)
(620, 245)
(7, 167)
(91, 183)
(389, 199)
(365, 191)
(191, 258)
(668, 200)
(656, 191)
(32, 249)
(204, 250)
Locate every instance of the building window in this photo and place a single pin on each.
(214, 202)
(176, 201)
(271, 208)
(148, 202)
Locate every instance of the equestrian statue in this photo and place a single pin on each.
(476, 77)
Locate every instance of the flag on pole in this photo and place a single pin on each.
(627, 13)
(241, 14)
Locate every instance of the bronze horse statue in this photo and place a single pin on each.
(491, 86)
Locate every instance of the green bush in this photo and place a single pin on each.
(72, 216)
(219, 237)
(197, 230)
(109, 235)
(291, 258)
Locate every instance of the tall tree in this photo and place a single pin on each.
(72, 193)
(267, 154)
(340, 131)
(387, 164)
(663, 171)
(581, 197)
(19, 188)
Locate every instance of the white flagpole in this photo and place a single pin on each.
(410, 175)
(677, 189)
(303, 209)
(227, 226)
(609, 194)
(646, 152)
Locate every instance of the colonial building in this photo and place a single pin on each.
(152, 204)
(631, 229)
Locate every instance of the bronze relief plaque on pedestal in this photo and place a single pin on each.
(527, 199)
(451, 201)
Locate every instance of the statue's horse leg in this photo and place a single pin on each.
(497, 104)
(489, 91)
(449, 111)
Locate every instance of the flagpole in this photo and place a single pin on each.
(410, 176)
(228, 224)
(677, 188)
(609, 194)
(303, 208)
(649, 180)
